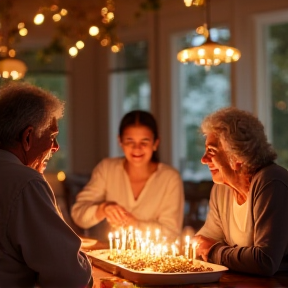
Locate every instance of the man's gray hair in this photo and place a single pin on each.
(244, 134)
(23, 105)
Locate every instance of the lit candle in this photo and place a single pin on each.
(117, 240)
(138, 239)
(194, 245)
(130, 237)
(110, 237)
(164, 250)
(157, 233)
(148, 233)
(123, 247)
(173, 248)
(187, 241)
(143, 247)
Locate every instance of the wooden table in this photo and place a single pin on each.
(228, 280)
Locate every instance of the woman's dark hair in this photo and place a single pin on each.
(144, 118)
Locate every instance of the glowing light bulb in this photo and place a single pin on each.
(21, 25)
(23, 32)
(217, 51)
(61, 176)
(115, 49)
(12, 53)
(104, 11)
(229, 52)
(14, 74)
(188, 3)
(39, 19)
(56, 17)
(104, 42)
(110, 16)
(201, 52)
(94, 30)
(73, 51)
(54, 7)
(80, 44)
(5, 74)
(63, 12)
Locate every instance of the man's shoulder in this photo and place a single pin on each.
(20, 173)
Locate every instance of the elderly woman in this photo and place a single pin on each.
(247, 225)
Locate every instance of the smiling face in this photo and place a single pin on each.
(43, 147)
(217, 160)
(138, 144)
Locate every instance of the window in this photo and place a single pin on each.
(53, 77)
(130, 86)
(272, 80)
(196, 93)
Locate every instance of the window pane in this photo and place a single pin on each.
(129, 86)
(201, 92)
(277, 51)
(52, 77)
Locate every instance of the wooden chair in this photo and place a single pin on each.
(197, 197)
(73, 184)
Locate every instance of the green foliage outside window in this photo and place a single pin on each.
(277, 46)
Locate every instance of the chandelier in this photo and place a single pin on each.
(10, 31)
(210, 53)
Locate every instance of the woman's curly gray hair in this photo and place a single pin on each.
(23, 105)
(245, 137)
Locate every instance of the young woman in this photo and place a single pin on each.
(135, 190)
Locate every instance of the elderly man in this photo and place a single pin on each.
(37, 247)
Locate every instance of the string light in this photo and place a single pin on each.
(103, 26)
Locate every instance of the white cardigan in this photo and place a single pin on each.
(160, 204)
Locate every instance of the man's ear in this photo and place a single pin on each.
(26, 138)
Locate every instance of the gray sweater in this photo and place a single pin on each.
(261, 247)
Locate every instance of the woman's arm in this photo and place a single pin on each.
(91, 199)
(270, 215)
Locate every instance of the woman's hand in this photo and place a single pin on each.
(204, 245)
(117, 216)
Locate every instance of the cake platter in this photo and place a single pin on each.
(99, 259)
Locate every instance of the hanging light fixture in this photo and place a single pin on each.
(210, 53)
(10, 67)
(189, 3)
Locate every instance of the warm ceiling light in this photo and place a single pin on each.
(12, 68)
(210, 53)
(189, 3)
